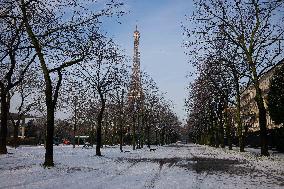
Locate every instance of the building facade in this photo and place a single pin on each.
(249, 108)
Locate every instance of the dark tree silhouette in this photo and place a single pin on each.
(103, 74)
(276, 96)
(16, 56)
(253, 27)
(62, 34)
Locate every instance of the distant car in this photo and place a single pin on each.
(66, 142)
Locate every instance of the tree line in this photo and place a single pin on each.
(231, 44)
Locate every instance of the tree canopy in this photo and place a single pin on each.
(276, 96)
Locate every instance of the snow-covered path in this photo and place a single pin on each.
(173, 166)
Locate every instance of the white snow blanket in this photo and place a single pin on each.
(168, 167)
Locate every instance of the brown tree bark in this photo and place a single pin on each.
(50, 102)
(228, 126)
(221, 128)
(134, 133)
(120, 126)
(239, 121)
(148, 135)
(262, 123)
(99, 125)
(16, 133)
(4, 120)
(261, 109)
(49, 138)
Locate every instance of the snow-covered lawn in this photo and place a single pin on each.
(172, 166)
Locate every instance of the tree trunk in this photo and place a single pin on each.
(133, 134)
(221, 130)
(16, 133)
(162, 136)
(228, 127)
(74, 138)
(4, 122)
(105, 139)
(156, 137)
(138, 138)
(50, 104)
(75, 125)
(262, 123)
(142, 139)
(99, 125)
(121, 131)
(92, 135)
(143, 131)
(49, 136)
(121, 137)
(74, 131)
(148, 136)
(121, 120)
(238, 119)
(262, 112)
(216, 134)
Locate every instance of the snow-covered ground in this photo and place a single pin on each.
(172, 166)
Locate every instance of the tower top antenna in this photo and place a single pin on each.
(136, 36)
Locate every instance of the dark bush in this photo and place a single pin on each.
(22, 141)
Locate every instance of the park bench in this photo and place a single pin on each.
(152, 149)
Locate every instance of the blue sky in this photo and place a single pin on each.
(162, 54)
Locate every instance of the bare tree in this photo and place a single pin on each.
(151, 102)
(16, 57)
(253, 28)
(118, 98)
(27, 103)
(103, 75)
(62, 34)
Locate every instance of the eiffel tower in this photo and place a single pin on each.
(135, 94)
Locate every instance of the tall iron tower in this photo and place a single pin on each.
(135, 95)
